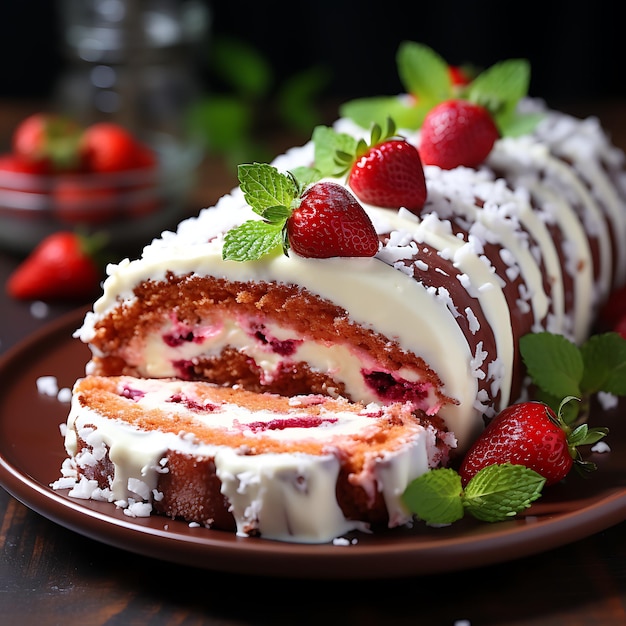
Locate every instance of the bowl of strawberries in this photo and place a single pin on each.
(59, 175)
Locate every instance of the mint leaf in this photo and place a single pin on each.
(604, 358)
(423, 73)
(519, 124)
(305, 176)
(264, 186)
(501, 86)
(327, 142)
(435, 497)
(498, 492)
(252, 240)
(367, 111)
(554, 363)
(276, 214)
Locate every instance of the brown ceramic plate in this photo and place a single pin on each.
(31, 453)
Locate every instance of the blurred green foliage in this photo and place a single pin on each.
(237, 120)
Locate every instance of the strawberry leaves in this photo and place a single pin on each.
(385, 171)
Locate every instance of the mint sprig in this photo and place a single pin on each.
(561, 371)
(273, 196)
(559, 368)
(495, 493)
(425, 76)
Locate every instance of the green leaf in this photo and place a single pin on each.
(252, 240)
(604, 356)
(327, 142)
(264, 186)
(296, 98)
(242, 65)
(423, 73)
(435, 497)
(220, 121)
(376, 110)
(554, 363)
(305, 176)
(276, 214)
(500, 87)
(518, 124)
(498, 492)
(584, 436)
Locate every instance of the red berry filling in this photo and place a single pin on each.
(185, 369)
(285, 347)
(174, 340)
(283, 423)
(132, 394)
(192, 405)
(390, 389)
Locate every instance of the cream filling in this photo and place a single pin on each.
(287, 497)
(157, 360)
(373, 294)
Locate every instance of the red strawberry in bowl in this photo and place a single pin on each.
(48, 141)
(457, 133)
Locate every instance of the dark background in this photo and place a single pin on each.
(576, 49)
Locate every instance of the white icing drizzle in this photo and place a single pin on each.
(284, 496)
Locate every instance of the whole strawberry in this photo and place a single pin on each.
(390, 175)
(330, 222)
(109, 147)
(457, 133)
(61, 267)
(49, 141)
(529, 434)
(386, 172)
(316, 219)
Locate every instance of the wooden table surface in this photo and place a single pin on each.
(51, 575)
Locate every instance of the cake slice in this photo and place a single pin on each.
(302, 469)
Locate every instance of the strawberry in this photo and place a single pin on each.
(459, 76)
(457, 133)
(77, 200)
(61, 267)
(16, 164)
(386, 172)
(109, 147)
(390, 174)
(531, 434)
(330, 222)
(48, 141)
(316, 219)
